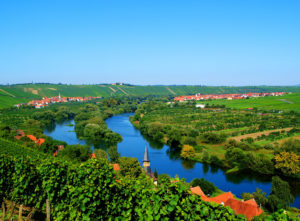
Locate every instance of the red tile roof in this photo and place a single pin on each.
(249, 209)
(93, 156)
(222, 198)
(197, 190)
(116, 167)
(31, 137)
(40, 141)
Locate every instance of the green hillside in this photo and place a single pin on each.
(14, 94)
(285, 102)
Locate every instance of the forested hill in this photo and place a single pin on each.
(13, 94)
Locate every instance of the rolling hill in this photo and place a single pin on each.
(13, 94)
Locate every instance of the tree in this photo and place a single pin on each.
(130, 167)
(247, 196)
(206, 186)
(164, 178)
(113, 154)
(77, 152)
(155, 173)
(190, 141)
(205, 156)
(260, 197)
(100, 154)
(187, 152)
(280, 196)
(235, 156)
(287, 162)
(174, 137)
(214, 138)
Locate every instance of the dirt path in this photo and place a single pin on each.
(255, 135)
(7, 93)
(287, 101)
(169, 89)
(297, 137)
(113, 91)
(123, 91)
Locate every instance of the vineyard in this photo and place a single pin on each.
(89, 191)
(22, 93)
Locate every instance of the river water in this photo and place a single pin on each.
(166, 161)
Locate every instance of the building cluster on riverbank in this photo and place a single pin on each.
(21, 134)
(57, 99)
(249, 208)
(199, 97)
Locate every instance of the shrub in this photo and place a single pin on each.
(187, 152)
(100, 154)
(130, 167)
(213, 138)
(206, 186)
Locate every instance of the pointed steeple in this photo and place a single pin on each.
(146, 155)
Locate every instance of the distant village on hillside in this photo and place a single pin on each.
(57, 99)
(199, 97)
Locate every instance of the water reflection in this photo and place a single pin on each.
(167, 160)
(188, 164)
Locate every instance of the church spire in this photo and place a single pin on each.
(146, 155)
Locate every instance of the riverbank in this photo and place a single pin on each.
(169, 162)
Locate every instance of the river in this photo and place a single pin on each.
(164, 161)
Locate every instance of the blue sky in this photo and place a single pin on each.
(207, 42)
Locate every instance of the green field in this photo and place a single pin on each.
(285, 102)
(14, 94)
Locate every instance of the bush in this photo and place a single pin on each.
(213, 138)
(206, 186)
(190, 141)
(100, 154)
(280, 196)
(78, 153)
(187, 152)
(164, 178)
(130, 167)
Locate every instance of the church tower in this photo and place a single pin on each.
(146, 160)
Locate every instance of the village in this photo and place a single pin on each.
(199, 97)
(57, 99)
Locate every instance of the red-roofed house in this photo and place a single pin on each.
(197, 190)
(248, 208)
(93, 156)
(20, 134)
(40, 141)
(116, 167)
(31, 137)
(221, 199)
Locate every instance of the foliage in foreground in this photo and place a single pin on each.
(90, 192)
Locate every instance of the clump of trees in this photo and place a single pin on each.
(287, 163)
(91, 126)
(213, 138)
(76, 153)
(207, 187)
(187, 152)
(130, 167)
(279, 198)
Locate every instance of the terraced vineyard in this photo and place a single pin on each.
(14, 94)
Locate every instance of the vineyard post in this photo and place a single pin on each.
(3, 210)
(48, 209)
(12, 210)
(20, 212)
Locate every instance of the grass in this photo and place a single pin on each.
(264, 103)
